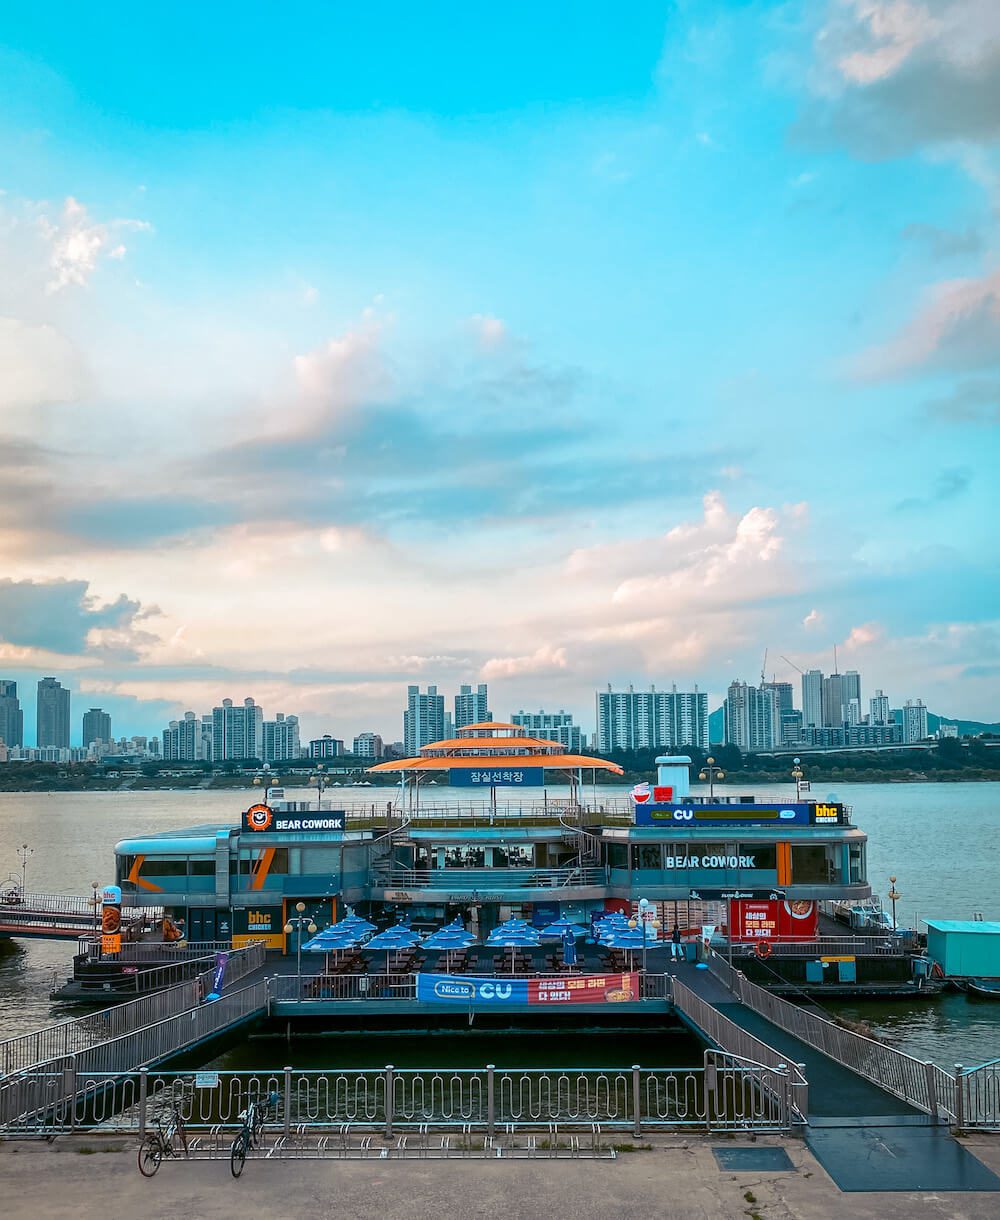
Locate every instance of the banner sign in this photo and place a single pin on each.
(218, 977)
(764, 919)
(573, 989)
(732, 895)
(111, 943)
(111, 915)
(497, 777)
(261, 818)
(803, 813)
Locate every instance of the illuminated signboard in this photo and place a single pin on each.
(262, 818)
(689, 816)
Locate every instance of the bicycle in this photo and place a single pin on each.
(251, 1132)
(159, 1144)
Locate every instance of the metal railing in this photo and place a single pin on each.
(833, 946)
(469, 880)
(117, 987)
(150, 950)
(290, 988)
(977, 1096)
(732, 1038)
(726, 1094)
(60, 904)
(80, 1034)
(922, 1084)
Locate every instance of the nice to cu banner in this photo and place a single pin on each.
(581, 989)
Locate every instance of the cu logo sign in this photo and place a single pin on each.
(683, 815)
(259, 817)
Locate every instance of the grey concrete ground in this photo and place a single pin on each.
(678, 1178)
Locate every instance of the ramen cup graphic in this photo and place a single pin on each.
(800, 908)
(111, 920)
(620, 994)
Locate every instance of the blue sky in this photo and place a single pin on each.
(550, 346)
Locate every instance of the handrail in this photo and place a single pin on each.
(921, 1084)
(738, 1041)
(76, 1034)
(493, 878)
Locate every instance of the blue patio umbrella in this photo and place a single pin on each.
(513, 938)
(393, 939)
(450, 938)
(631, 939)
(560, 929)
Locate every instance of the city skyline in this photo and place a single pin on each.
(629, 717)
(570, 349)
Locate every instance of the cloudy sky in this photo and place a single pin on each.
(349, 346)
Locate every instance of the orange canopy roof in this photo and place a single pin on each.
(553, 762)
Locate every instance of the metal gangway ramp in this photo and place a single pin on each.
(875, 1117)
(54, 1065)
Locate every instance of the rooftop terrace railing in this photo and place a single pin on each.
(831, 946)
(492, 879)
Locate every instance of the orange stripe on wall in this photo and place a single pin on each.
(263, 867)
(141, 882)
(784, 862)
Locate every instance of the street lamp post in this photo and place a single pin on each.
(317, 779)
(798, 775)
(643, 912)
(267, 781)
(712, 773)
(894, 897)
(296, 922)
(95, 903)
(23, 852)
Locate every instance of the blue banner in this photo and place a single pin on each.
(448, 989)
(218, 977)
(497, 777)
(685, 816)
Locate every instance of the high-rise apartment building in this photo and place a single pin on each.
(182, 739)
(471, 706)
(914, 721)
(553, 726)
(11, 716)
(96, 727)
(878, 709)
(641, 720)
(52, 715)
(423, 720)
(326, 747)
(812, 698)
(841, 694)
(237, 731)
(281, 738)
(368, 745)
(751, 717)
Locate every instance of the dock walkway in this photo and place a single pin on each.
(866, 1136)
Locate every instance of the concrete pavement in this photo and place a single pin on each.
(678, 1178)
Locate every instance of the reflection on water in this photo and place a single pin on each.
(948, 1030)
(931, 836)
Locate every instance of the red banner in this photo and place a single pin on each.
(764, 919)
(584, 989)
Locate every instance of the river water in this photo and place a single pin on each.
(939, 840)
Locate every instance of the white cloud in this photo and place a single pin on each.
(543, 660)
(956, 326)
(812, 619)
(76, 243)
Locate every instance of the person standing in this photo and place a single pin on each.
(676, 948)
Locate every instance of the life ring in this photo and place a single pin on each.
(762, 948)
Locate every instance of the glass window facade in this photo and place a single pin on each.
(816, 864)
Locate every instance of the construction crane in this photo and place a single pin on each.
(763, 669)
(793, 665)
